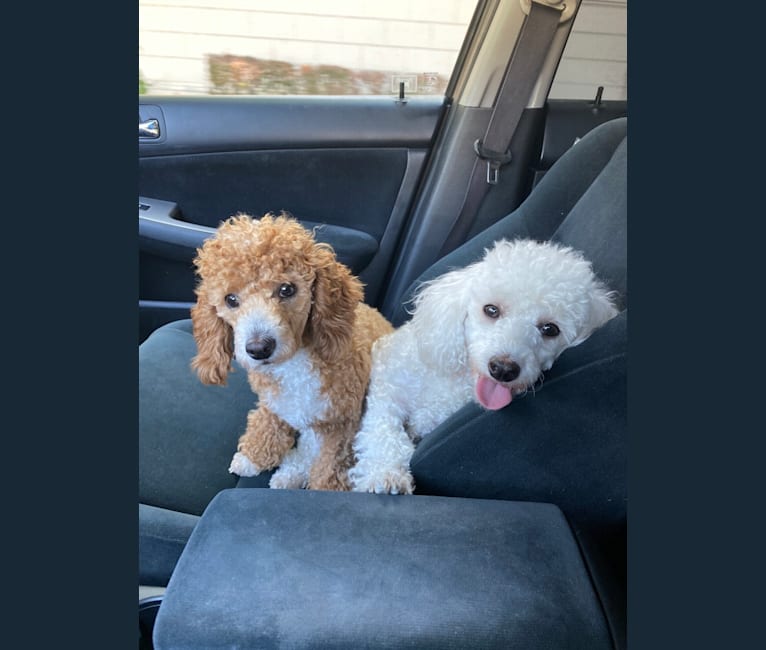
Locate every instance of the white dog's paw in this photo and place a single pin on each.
(241, 465)
(288, 479)
(397, 480)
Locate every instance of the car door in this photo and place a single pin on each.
(346, 168)
(377, 175)
(345, 165)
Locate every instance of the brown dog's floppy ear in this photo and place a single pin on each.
(215, 342)
(336, 296)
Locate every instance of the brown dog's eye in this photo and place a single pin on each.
(493, 311)
(549, 329)
(286, 290)
(231, 300)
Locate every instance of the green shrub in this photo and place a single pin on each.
(245, 75)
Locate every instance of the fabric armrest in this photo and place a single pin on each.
(300, 569)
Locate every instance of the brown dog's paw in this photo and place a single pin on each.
(288, 480)
(241, 465)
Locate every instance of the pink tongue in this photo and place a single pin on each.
(492, 395)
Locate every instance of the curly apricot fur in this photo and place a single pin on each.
(327, 319)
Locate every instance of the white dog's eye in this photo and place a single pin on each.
(493, 311)
(549, 329)
(286, 290)
(231, 300)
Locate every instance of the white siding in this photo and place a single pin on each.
(405, 36)
(596, 53)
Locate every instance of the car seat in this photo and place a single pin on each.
(563, 444)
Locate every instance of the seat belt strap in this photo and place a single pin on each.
(492, 151)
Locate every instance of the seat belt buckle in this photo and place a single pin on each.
(493, 172)
(494, 159)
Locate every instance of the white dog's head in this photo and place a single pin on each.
(507, 317)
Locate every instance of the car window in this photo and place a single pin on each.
(596, 53)
(272, 47)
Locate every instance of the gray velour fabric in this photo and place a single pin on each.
(303, 569)
(597, 225)
(188, 431)
(162, 535)
(580, 202)
(564, 443)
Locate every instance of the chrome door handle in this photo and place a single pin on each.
(149, 129)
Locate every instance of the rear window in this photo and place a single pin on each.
(596, 53)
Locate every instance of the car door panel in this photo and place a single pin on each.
(165, 234)
(317, 159)
(209, 124)
(345, 187)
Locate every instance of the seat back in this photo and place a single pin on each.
(580, 202)
(565, 442)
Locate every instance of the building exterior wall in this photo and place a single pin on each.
(410, 38)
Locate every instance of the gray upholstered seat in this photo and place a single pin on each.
(565, 444)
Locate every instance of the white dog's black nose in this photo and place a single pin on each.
(260, 347)
(503, 369)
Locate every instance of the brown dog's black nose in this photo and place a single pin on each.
(503, 369)
(260, 347)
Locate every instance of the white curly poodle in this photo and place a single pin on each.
(485, 332)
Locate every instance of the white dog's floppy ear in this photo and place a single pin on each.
(601, 308)
(439, 319)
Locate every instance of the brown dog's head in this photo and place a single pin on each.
(266, 289)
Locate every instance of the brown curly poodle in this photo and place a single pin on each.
(292, 316)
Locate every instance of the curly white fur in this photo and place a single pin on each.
(298, 402)
(445, 356)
